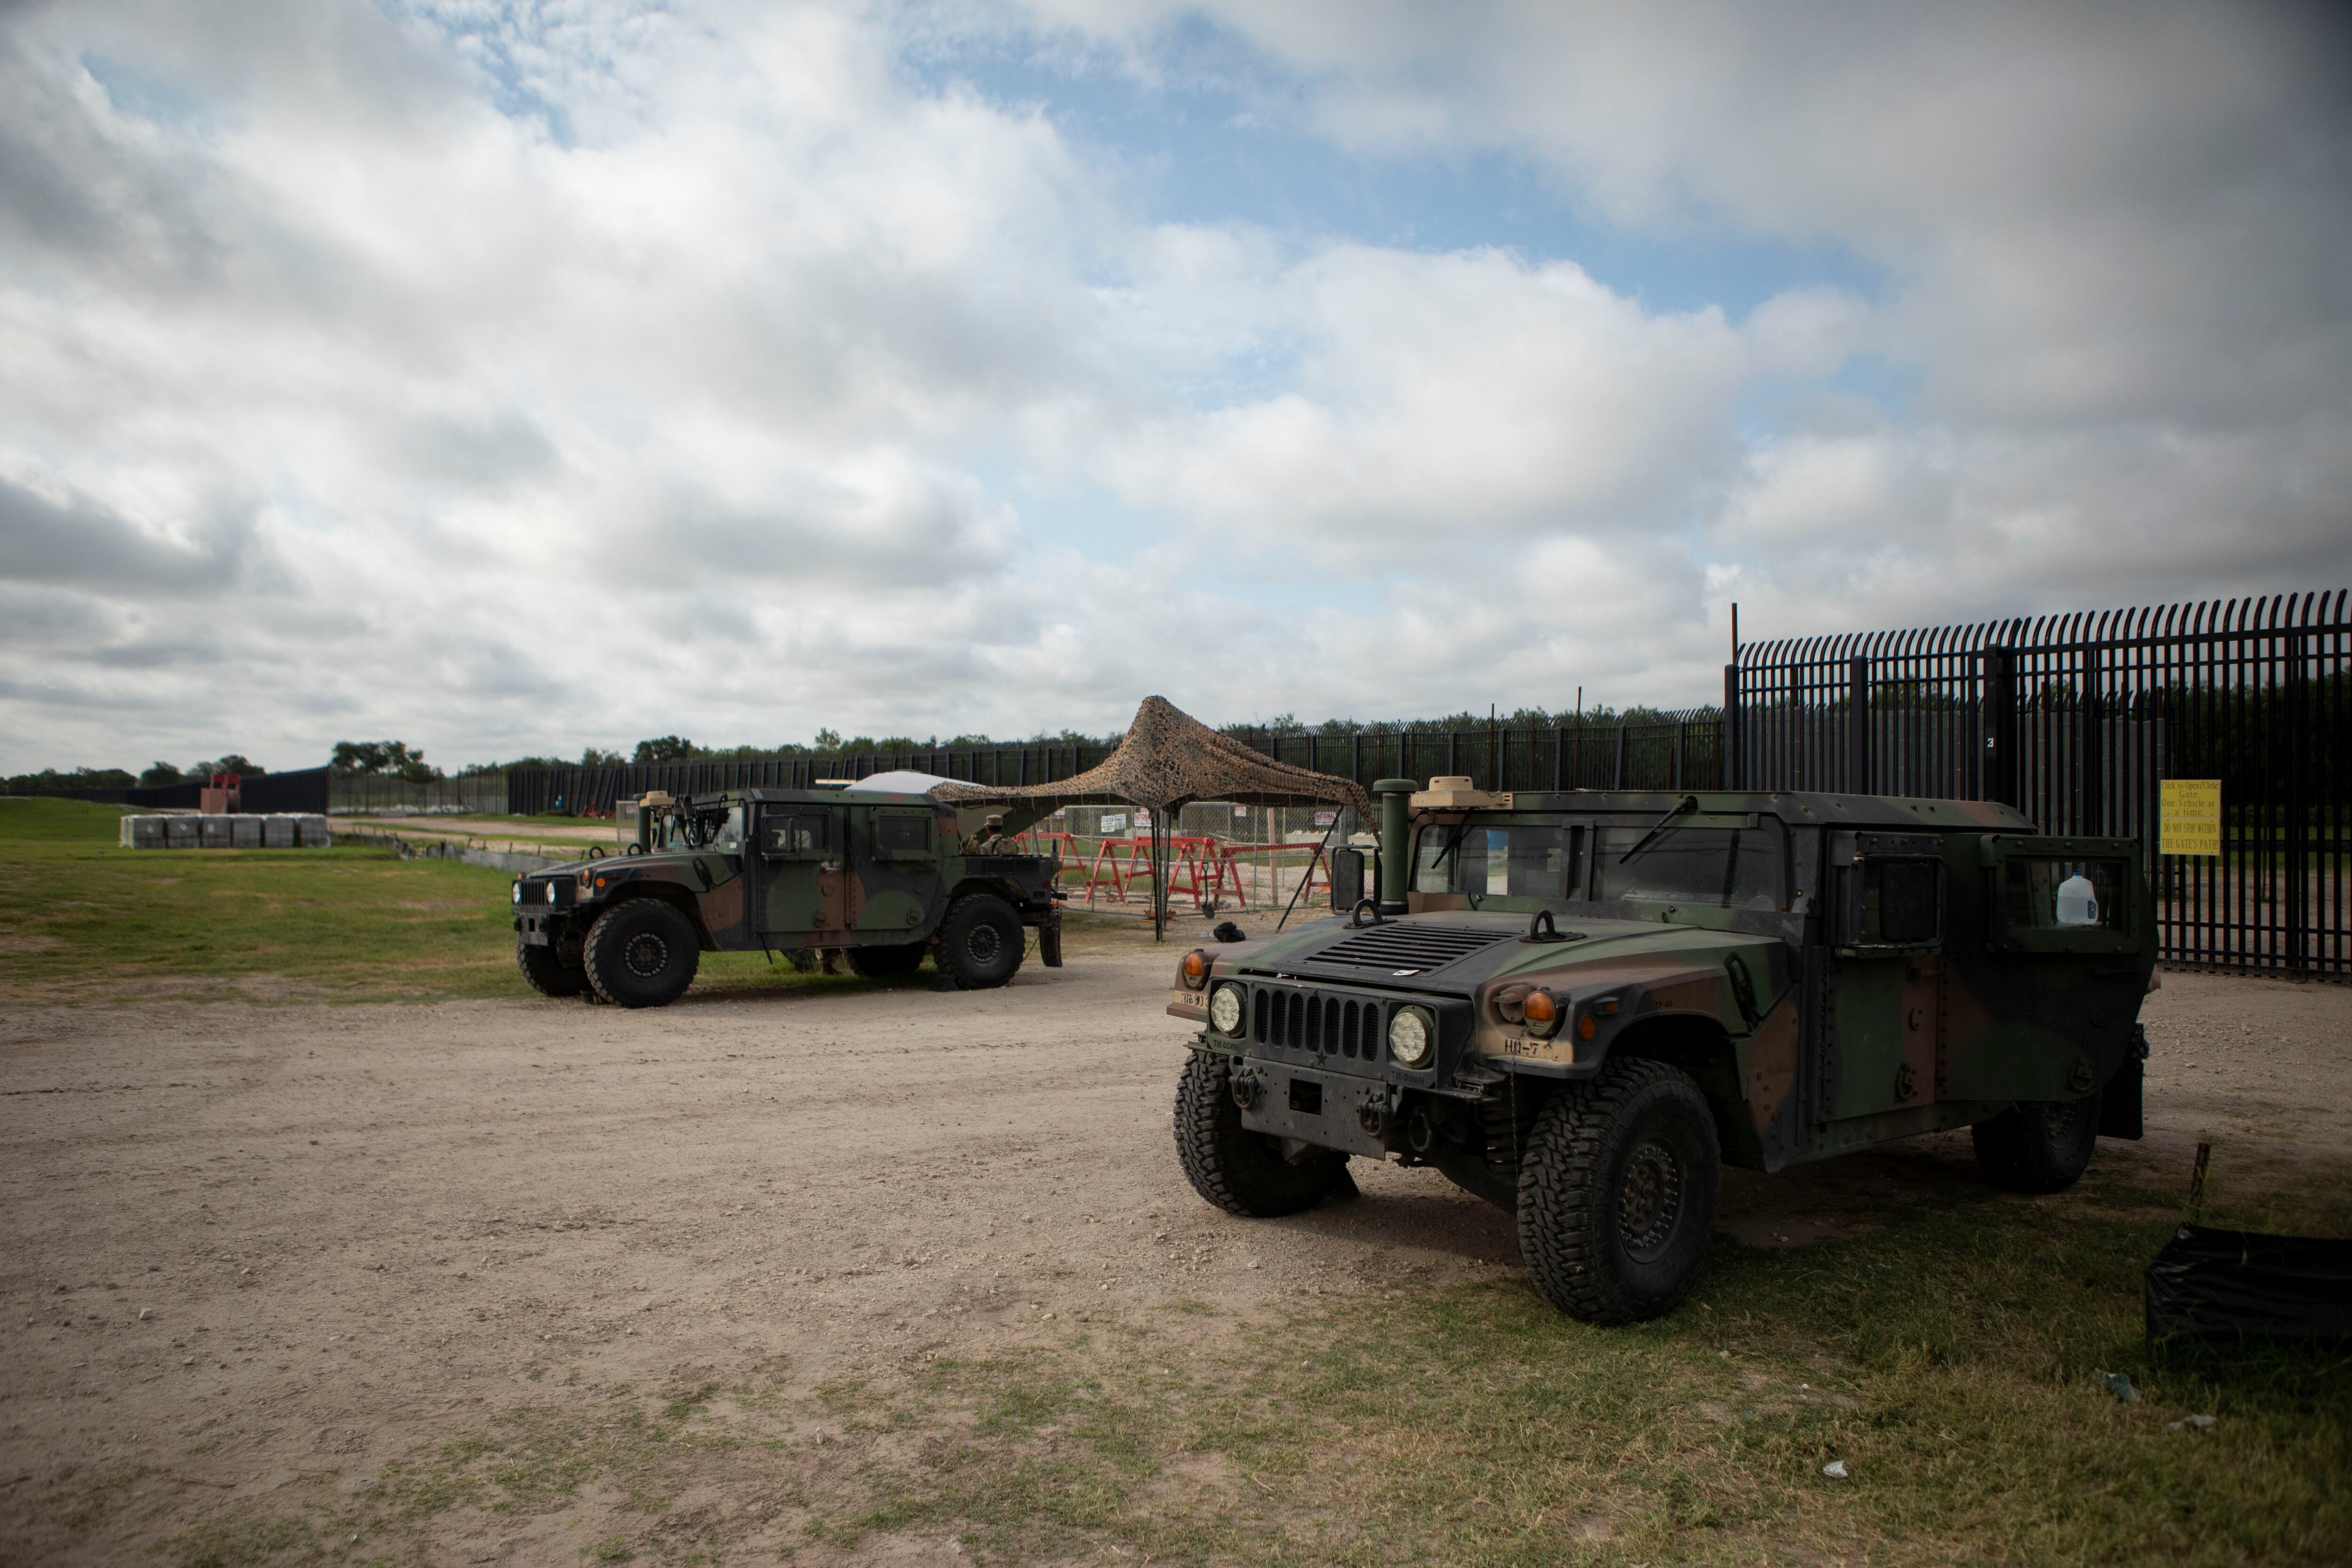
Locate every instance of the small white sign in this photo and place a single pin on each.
(1114, 822)
(1326, 818)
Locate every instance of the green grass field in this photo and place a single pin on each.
(83, 919)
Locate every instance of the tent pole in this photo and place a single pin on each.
(1159, 877)
(1308, 875)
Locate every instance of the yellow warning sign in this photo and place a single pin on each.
(2191, 812)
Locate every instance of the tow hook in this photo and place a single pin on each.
(1372, 1114)
(1248, 1088)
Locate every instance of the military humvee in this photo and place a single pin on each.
(1579, 1006)
(887, 876)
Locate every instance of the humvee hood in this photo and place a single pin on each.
(1455, 953)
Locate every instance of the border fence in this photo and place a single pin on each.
(1677, 751)
(2077, 720)
(301, 790)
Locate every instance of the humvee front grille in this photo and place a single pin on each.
(1303, 1021)
(1406, 946)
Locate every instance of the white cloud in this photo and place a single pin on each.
(516, 380)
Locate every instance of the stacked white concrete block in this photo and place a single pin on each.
(234, 830)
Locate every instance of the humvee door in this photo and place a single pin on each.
(802, 849)
(895, 859)
(1884, 999)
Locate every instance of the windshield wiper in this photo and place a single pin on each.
(1687, 802)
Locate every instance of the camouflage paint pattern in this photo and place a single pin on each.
(788, 871)
(1809, 1031)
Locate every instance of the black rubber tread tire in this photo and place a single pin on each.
(2037, 1146)
(615, 928)
(893, 963)
(960, 932)
(1570, 1186)
(547, 973)
(1237, 1169)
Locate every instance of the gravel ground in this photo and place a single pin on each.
(251, 1247)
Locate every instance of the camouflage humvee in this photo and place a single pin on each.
(885, 877)
(1579, 1006)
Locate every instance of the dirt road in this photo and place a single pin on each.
(255, 1248)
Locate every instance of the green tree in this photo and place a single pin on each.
(159, 774)
(594, 757)
(230, 763)
(394, 757)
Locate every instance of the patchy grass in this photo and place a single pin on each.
(1954, 1359)
(81, 918)
(84, 917)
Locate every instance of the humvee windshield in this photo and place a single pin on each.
(1517, 861)
(708, 831)
(1713, 867)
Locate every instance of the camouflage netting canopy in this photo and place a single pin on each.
(1168, 760)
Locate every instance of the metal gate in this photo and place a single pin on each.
(2077, 720)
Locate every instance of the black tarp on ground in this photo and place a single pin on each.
(2231, 1284)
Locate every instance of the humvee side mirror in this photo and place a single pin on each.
(1347, 878)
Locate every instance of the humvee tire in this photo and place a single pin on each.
(1617, 1193)
(979, 941)
(641, 953)
(887, 962)
(1239, 1171)
(547, 973)
(2038, 1145)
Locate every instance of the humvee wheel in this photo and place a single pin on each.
(887, 962)
(1239, 1171)
(1617, 1193)
(2037, 1146)
(641, 953)
(979, 941)
(547, 973)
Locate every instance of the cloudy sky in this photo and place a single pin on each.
(513, 379)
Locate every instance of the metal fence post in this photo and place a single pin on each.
(1727, 760)
(2297, 846)
(2094, 748)
(1857, 718)
(1999, 782)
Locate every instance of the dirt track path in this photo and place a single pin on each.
(353, 1227)
(248, 1247)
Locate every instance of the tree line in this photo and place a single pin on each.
(397, 758)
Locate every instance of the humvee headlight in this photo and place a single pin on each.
(1194, 969)
(1226, 1009)
(1541, 1011)
(517, 893)
(550, 892)
(1409, 1037)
